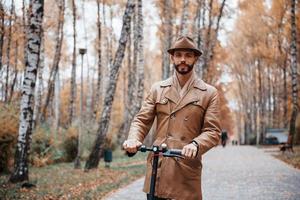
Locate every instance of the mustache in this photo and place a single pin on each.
(183, 63)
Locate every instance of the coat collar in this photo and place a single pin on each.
(198, 83)
(173, 95)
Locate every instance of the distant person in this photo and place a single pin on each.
(188, 118)
(224, 138)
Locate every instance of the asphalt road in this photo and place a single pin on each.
(236, 173)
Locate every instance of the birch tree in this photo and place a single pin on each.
(99, 69)
(140, 66)
(294, 73)
(15, 71)
(9, 37)
(39, 89)
(57, 55)
(33, 44)
(131, 76)
(184, 18)
(73, 75)
(97, 149)
(136, 76)
(167, 37)
(2, 32)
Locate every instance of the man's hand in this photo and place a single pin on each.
(189, 150)
(131, 145)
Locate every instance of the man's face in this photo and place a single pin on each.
(183, 61)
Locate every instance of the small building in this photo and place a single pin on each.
(276, 136)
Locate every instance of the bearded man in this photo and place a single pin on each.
(188, 118)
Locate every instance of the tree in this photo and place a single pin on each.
(40, 86)
(294, 73)
(2, 32)
(167, 37)
(140, 67)
(99, 74)
(73, 76)
(9, 37)
(97, 149)
(131, 76)
(135, 76)
(184, 18)
(56, 59)
(26, 111)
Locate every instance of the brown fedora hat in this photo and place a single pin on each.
(184, 43)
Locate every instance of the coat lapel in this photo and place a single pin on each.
(171, 92)
(192, 95)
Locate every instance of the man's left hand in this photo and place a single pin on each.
(189, 150)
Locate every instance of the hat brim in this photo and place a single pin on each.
(196, 51)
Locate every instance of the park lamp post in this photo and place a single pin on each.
(82, 51)
(77, 164)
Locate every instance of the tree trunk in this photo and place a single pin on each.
(136, 84)
(26, 111)
(210, 43)
(2, 32)
(108, 50)
(88, 94)
(198, 35)
(136, 101)
(56, 60)
(294, 73)
(77, 163)
(140, 66)
(12, 87)
(56, 106)
(261, 104)
(184, 18)
(8, 51)
(214, 41)
(167, 38)
(97, 149)
(131, 68)
(40, 87)
(207, 40)
(99, 77)
(285, 97)
(73, 75)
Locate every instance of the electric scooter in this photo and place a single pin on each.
(157, 152)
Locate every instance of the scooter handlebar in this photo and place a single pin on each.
(165, 152)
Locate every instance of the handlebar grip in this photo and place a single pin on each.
(175, 152)
(130, 154)
(141, 148)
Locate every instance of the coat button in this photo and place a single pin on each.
(164, 101)
(186, 118)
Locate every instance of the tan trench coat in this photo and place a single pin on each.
(195, 117)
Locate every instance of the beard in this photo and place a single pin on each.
(183, 71)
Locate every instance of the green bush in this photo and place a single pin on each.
(42, 147)
(70, 144)
(9, 118)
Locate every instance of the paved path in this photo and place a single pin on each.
(236, 173)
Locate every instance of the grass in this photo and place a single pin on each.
(290, 158)
(62, 181)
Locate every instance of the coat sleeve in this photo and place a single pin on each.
(211, 130)
(143, 120)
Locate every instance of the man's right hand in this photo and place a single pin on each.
(131, 145)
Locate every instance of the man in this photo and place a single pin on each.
(187, 112)
(224, 138)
